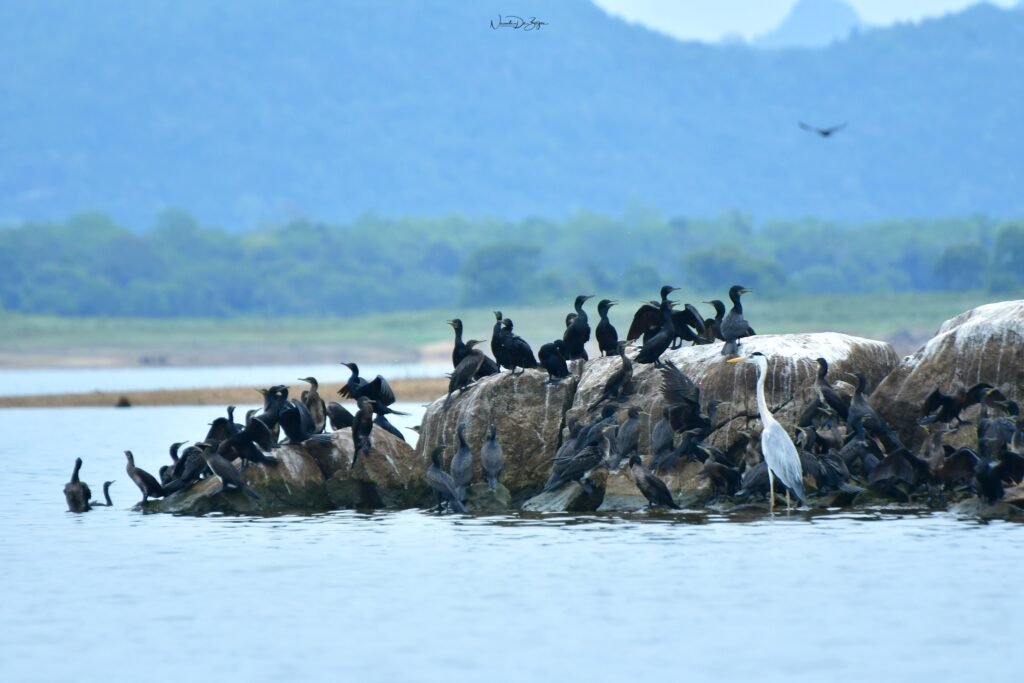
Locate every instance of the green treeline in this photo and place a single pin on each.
(89, 265)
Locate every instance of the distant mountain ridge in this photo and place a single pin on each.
(244, 113)
(812, 23)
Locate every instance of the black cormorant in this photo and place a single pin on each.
(518, 353)
(607, 335)
(940, 407)
(227, 473)
(861, 412)
(552, 358)
(627, 438)
(386, 425)
(146, 482)
(491, 457)
(442, 482)
(497, 341)
(316, 406)
(106, 497)
(620, 383)
(653, 488)
(461, 467)
(577, 334)
(823, 132)
(594, 451)
(461, 350)
(734, 325)
(463, 375)
(362, 428)
(658, 343)
(76, 491)
(648, 318)
(339, 416)
(377, 389)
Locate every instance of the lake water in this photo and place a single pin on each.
(35, 381)
(411, 596)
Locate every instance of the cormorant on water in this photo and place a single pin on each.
(552, 358)
(577, 334)
(734, 325)
(465, 372)
(76, 491)
(362, 428)
(442, 482)
(492, 458)
(315, 404)
(607, 335)
(940, 407)
(653, 488)
(620, 382)
(462, 349)
(461, 467)
(146, 482)
(377, 389)
(106, 497)
(227, 473)
(518, 353)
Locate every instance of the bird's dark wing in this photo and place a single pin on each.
(339, 416)
(646, 317)
(676, 387)
(810, 128)
(974, 394)
(933, 401)
(833, 129)
(380, 391)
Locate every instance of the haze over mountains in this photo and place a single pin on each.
(243, 113)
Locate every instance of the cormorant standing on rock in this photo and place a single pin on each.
(377, 389)
(837, 403)
(620, 382)
(497, 341)
(146, 482)
(713, 326)
(861, 412)
(518, 353)
(166, 472)
(362, 428)
(316, 406)
(627, 438)
(594, 452)
(227, 473)
(492, 458)
(734, 325)
(577, 334)
(607, 335)
(76, 491)
(653, 488)
(465, 372)
(462, 464)
(442, 482)
(659, 342)
(552, 358)
(339, 416)
(649, 318)
(462, 349)
(939, 407)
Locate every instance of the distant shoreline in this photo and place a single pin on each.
(423, 389)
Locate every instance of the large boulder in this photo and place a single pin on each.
(528, 413)
(792, 369)
(985, 344)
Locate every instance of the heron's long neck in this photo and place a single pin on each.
(762, 405)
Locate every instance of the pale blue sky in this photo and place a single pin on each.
(709, 20)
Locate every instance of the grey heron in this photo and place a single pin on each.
(780, 455)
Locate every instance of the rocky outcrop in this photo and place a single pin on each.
(529, 415)
(985, 344)
(315, 475)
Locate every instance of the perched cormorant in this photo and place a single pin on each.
(377, 389)
(734, 325)
(468, 368)
(627, 438)
(648, 319)
(940, 407)
(296, 421)
(442, 482)
(146, 482)
(593, 453)
(76, 491)
(316, 405)
(827, 392)
(724, 479)
(577, 334)
(653, 488)
(492, 458)
(861, 412)
(552, 358)
(339, 416)
(227, 473)
(167, 471)
(658, 343)
(461, 350)
(989, 479)
(250, 443)
(517, 351)
(461, 467)
(662, 439)
(189, 468)
(665, 459)
(497, 341)
(607, 335)
(620, 382)
(362, 428)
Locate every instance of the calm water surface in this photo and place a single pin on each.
(410, 596)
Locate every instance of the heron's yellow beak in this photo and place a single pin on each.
(737, 359)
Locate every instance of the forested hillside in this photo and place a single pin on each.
(264, 111)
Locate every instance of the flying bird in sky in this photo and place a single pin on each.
(823, 132)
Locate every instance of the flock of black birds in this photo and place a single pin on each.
(844, 445)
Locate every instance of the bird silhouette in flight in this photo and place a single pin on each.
(823, 132)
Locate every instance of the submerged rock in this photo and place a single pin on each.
(985, 344)
(572, 497)
(688, 489)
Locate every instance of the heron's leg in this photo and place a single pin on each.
(787, 500)
(771, 492)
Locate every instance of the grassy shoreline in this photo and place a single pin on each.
(905, 320)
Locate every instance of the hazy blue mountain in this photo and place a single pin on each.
(812, 23)
(244, 112)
